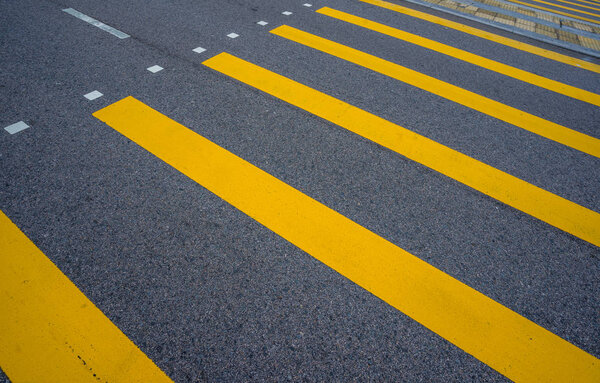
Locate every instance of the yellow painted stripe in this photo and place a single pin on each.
(595, 21)
(499, 337)
(49, 330)
(597, 7)
(539, 203)
(516, 117)
(559, 12)
(581, 1)
(542, 82)
(488, 36)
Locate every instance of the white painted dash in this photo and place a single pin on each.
(199, 50)
(155, 68)
(263, 23)
(93, 95)
(16, 127)
(287, 13)
(96, 23)
(307, 5)
(233, 35)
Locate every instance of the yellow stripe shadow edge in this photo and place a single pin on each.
(499, 337)
(551, 55)
(49, 330)
(539, 203)
(507, 70)
(513, 116)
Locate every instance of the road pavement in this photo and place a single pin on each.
(205, 289)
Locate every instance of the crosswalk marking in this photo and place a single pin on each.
(49, 330)
(496, 335)
(516, 117)
(582, 1)
(488, 36)
(543, 82)
(560, 12)
(539, 203)
(596, 8)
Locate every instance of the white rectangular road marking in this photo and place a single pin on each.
(16, 127)
(199, 50)
(232, 35)
(93, 95)
(307, 5)
(155, 68)
(287, 13)
(263, 23)
(96, 23)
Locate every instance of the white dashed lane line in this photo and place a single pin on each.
(263, 23)
(16, 127)
(96, 23)
(199, 50)
(233, 35)
(93, 95)
(287, 13)
(155, 68)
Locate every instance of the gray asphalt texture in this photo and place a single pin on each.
(211, 295)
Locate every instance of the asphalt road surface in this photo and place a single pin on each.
(190, 256)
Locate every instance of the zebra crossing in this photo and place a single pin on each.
(496, 335)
